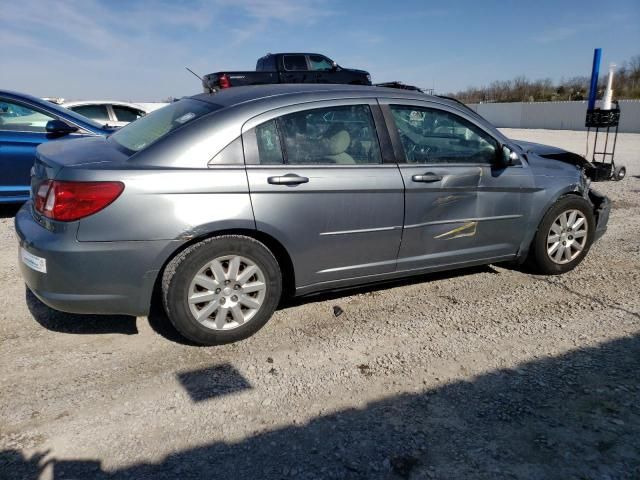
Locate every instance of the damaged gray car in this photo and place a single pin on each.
(224, 203)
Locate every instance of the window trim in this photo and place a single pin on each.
(398, 148)
(250, 142)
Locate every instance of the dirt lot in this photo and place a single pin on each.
(483, 373)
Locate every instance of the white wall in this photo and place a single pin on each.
(553, 115)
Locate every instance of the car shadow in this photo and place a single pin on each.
(290, 302)
(78, 324)
(10, 210)
(575, 415)
(160, 323)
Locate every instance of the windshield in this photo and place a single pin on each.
(143, 132)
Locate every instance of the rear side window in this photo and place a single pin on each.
(295, 62)
(126, 114)
(140, 134)
(98, 113)
(266, 139)
(341, 135)
(269, 63)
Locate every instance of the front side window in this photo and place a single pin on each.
(19, 118)
(140, 134)
(343, 135)
(320, 63)
(435, 136)
(126, 114)
(294, 63)
(98, 113)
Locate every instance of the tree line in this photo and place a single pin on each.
(626, 84)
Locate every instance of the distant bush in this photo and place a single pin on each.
(626, 85)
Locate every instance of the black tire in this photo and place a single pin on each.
(180, 271)
(538, 259)
(619, 173)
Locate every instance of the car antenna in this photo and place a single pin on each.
(194, 74)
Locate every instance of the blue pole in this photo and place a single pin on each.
(595, 72)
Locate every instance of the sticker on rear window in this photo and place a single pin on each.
(186, 117)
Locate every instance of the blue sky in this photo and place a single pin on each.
(137, 50)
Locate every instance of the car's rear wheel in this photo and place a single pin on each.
(222, 289)
(564, 236)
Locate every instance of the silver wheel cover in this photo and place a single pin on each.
(567, 236)
(227, 292)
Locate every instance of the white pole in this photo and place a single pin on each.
(608, 93)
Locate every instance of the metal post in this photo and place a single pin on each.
(595, 71)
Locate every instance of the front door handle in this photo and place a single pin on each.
(427, 178)
(288, 179)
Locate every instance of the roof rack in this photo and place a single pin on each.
(400, 85)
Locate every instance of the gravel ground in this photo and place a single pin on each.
(483, 373)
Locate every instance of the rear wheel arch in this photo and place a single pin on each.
(277, 249)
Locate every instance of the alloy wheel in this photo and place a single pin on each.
(227, 292)
(567, 236)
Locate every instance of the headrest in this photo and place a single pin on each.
(338, 142)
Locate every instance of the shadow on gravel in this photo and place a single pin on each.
(161, 324)
(376, 287)
(589, 298)
(62, 322)
(572, 416)
(211, 382)
(9, 211)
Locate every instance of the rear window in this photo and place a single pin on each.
(143, 132)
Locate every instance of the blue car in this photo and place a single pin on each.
(25, 123)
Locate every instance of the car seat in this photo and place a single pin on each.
(337, 145)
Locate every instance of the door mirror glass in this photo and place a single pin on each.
(509, 157)
(58, 127)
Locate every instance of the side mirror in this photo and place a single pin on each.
(508, 157)
(334, 65)
(60, 128)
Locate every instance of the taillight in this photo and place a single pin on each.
(68, 201)
(224, 81)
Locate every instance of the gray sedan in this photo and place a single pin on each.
(226, 202)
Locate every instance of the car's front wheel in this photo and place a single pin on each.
(222, 289)
(564, 236)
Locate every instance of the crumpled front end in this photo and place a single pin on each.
(602, 208)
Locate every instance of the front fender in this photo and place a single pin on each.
(540, 203)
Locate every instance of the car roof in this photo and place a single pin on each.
(292, 53)
(307, 91)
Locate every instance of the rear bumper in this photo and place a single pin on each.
(602, 206)
(89, 277)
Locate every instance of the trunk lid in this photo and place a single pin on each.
(88, 153)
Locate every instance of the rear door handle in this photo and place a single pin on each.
(427, 178)
(288, 179)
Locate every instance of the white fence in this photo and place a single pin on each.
(553, 115)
